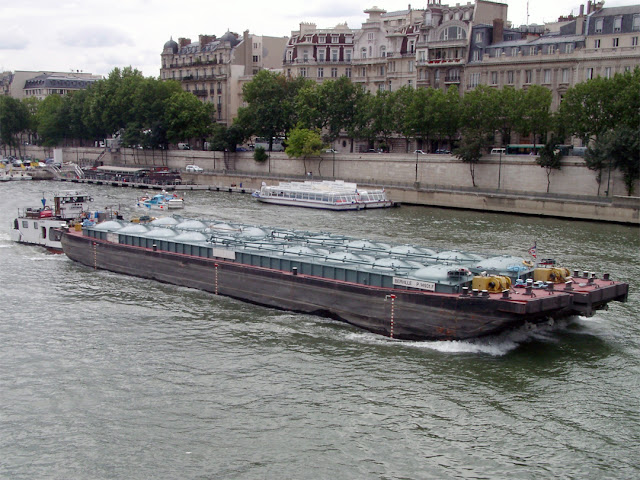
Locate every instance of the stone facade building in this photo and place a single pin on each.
(23, 84)
(215, 69)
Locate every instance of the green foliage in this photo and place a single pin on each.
(470, 151)
(620, 148)
(304, 142)
(14, 118)
(550, 157)
(186, 117)
(270, 99)
(260, 155)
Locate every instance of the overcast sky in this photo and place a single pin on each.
(97, 35)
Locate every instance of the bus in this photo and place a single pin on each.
(278, 144)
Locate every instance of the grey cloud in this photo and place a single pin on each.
(95, 36)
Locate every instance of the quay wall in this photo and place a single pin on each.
(508, 183)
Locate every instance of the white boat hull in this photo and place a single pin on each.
(38, 231)
(291, 202)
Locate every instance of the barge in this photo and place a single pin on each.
(401, 291)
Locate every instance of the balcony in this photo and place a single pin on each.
(199, 93)
(452, 79)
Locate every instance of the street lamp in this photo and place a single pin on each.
(499, 169)
(417, 166)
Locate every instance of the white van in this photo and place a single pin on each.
(184, 146)
(498, 151)
(193, 168)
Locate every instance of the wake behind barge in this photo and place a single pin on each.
(401, 291)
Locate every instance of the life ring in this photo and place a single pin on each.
(527, 263)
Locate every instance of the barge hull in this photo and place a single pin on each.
(402, 314)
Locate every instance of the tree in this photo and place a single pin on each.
(447, 114)
(270, 99)
(550, 157)
(304, 142)
(186, 117)
(14, 119)
(618, 148)
(52, 123)
(536, 112)
(470, 151)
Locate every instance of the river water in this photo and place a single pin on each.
(104, 376)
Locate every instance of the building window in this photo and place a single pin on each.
(476, 56)
(334, 72)
(256, 59)
(599, 23)
(479, 37)
(532, 50)
(547, 76)
(381, 70)
(528, 76)
(370, 36)
(347, 72)
(596, 44)
(635, 26)
(347, 55)
(494, 78)
(303, 71)
(305, 56)
(410, 83)
(514, 52)
(363, 53)
(634, 41)
(320, 72)
(607, 72)
(474, 80)
(551, 49)
(565, 75)
(383, 51)
(335, 54)
(322, 39)
(589, 74)
(411, 66)
(615, 42)
(321, 54)
(617, 24)
(381, 87)
(568, 48)
(510, 77)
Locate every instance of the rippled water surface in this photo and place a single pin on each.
(106, 376)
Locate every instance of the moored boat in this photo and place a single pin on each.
(402, 291)
(325, 194)
(160, 201)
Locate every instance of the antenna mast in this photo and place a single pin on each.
(527, 12)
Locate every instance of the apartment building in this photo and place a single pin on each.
(598, 42)
(214, 69)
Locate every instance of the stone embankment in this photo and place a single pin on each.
(507, 183)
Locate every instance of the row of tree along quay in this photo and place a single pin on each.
(309, 116)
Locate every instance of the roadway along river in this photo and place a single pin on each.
(105, 376)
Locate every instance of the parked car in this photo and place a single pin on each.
(443, 151)
(418, 152)
(184, 146)
(194, 168)
(330, 150)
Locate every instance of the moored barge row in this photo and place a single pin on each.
(401, 291)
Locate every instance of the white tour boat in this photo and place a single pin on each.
(326, 194)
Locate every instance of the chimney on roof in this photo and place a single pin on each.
(582, 10)
(498, 30)
(183, 42)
